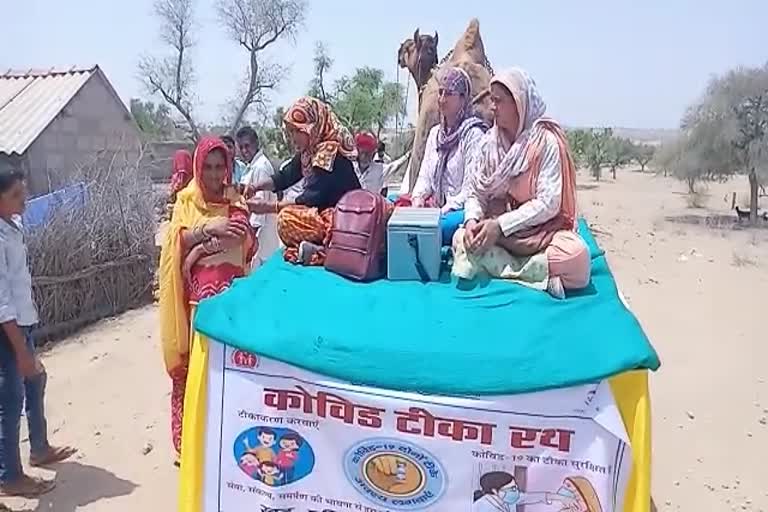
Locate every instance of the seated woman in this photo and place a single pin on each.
(208, 244)
(325, 151)
(522, 196)
(450, 149)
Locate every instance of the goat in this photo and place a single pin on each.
(744, 215)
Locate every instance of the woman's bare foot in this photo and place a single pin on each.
(555, 288)
(27, 487)
(54, 455)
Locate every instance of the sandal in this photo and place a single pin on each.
(53, 456)
(27, 487)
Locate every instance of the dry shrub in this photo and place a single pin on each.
(97, 260)
(698, 198)
(743, 260)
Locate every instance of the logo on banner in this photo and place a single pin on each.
(395, 474)
(273, 456)
(243, 359)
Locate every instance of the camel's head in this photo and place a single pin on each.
(418, 54)
(406, 55)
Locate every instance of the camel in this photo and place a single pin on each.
(469, 55)
(419, 56)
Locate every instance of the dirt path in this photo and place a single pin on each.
(697, 291)
(108, 395)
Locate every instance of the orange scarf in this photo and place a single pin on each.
(327, 136)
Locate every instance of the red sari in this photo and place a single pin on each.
(210, 275)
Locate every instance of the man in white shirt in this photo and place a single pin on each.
(381, 154)
(258, 168)
(22, 376)
(238, 166)
(370, 173)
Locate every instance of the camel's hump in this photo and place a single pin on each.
(471, 43)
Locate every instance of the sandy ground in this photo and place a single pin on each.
(696, 290)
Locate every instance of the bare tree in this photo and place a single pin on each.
(323, 63)
(256, 25)
(172, 77)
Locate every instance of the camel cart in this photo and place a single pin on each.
(325, 395)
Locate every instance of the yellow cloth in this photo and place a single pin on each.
(630, 391)
(193, 433)
(633, 399)
(190, 211)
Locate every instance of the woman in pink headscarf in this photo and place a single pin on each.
(522, 196)
(450, 149)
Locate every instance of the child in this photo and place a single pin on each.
(289, 454)
(265, 451)
(270, 473)
(21, 374)
(250, 465)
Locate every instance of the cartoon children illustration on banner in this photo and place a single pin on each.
(273, 456)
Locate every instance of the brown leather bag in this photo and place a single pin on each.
(357, 245)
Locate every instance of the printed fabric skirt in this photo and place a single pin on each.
(296, 224)
(178, 388)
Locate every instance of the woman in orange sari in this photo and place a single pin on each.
(325, 151)
(209, 244)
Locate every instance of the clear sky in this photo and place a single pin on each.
(598, 62)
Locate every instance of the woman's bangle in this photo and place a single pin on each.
(277, 207)
(212, 245)
(198, 233)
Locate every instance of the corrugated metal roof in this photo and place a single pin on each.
(30, 100)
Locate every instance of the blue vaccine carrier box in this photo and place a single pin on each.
(414, 233)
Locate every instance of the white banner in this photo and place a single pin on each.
(280, 439)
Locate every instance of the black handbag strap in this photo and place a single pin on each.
(413, 241)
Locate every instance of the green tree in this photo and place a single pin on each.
(578, 140)
(154, 121)
(643, 154)
(683, 159)
(274, 142)
(365, 101)
(596, 150)
(618, 152)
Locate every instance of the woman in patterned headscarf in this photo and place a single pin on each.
(449, 152)
(522, 196)
(325, 151)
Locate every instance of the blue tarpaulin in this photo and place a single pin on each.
(40, 209)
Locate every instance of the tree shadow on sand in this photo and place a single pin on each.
(78, 485)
